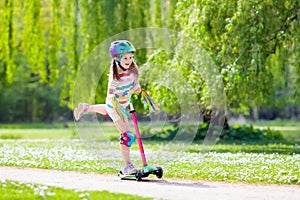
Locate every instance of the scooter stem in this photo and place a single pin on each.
(138, 135)
(139, 139)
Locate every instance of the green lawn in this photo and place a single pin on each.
(15, 191)
(292, 134)
(276, 123)
(55, 131)
(61, 148)
(290, 130)
(273, 163)
(37, 133)
(36, 125)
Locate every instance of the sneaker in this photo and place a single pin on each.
(129, 169)
(80, 110)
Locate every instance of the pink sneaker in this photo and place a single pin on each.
(129, 169)
(80, 110)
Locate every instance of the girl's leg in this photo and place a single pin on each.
(125, 154)
(85, 108)
(98, 108)
(123, 127)
(125, 140)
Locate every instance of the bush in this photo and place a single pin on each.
(167, 133)
(235, 132)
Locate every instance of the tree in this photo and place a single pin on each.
(254, 45)
(7, 43)
(245, 39)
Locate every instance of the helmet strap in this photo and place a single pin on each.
(119, 64)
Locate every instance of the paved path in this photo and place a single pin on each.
(157, 189)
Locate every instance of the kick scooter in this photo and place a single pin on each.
(146, 169)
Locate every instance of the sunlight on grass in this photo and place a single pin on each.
(15, 190)
(219, 164)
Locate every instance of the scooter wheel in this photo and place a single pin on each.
(159, 172)
(138, 176)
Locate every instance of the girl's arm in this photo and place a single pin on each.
(136, 84)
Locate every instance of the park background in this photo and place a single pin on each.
(254, 44)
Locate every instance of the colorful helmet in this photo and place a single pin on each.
(120, 47)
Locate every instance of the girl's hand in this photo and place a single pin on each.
(137, 91)
(131, 92)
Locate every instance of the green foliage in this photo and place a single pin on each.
(234, 133)
(31, 102)
(241, 37)
(34, 45)
(7, 43)
(54, 41)
(167, 133)
(54, 37)
(173, 82)
(249, 133)
(254, 44)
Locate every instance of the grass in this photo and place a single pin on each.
(83, 130)
(289, 132)
(36, 125)
(290, 129)
(61, 149)
(240, 167)
(37, 133)
(223, 162)
(288, 149)
(55, 131)
(292, 134)
(276, 123)
(14, 190)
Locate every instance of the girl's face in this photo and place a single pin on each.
(126, 60)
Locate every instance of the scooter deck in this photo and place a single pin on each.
(144, 172)
(137, 176)
(147, 170)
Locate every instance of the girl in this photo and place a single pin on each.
(123, 78)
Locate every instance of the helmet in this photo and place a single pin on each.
(119, 47)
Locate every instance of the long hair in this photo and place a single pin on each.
(133, 68)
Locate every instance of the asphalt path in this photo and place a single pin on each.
(150, 187)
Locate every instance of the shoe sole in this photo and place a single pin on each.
(76, 111)
(128, 174)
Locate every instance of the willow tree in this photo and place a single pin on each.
(251, 42)
(54, 41)
(7, 42)
(70, 47)
(34, 45)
